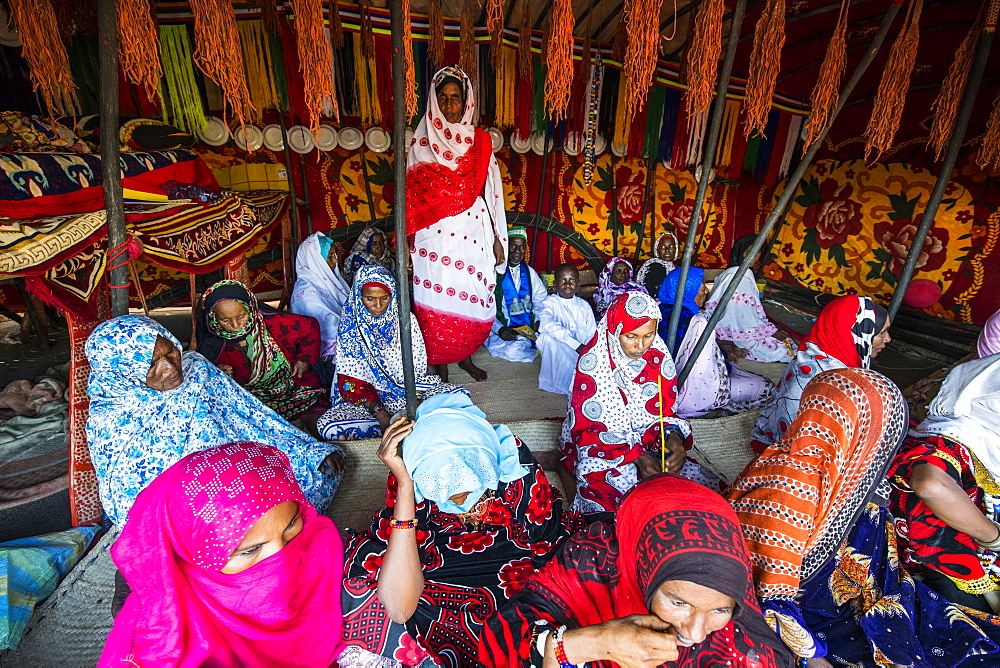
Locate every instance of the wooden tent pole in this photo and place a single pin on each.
(707, 164)
(111, 174)
(950, 156)
(650, 175)
(789, 192)
(399, 203)
(541, 194)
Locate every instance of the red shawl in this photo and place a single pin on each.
(435, 191)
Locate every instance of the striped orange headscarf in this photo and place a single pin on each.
(799, 499)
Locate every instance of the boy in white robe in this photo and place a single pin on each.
(566, 325)
(519, 293)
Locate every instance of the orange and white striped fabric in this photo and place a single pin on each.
(798, 501)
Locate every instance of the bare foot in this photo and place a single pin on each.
(441, 370)
(477, 374)
(818, 662)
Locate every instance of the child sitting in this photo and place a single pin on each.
(566, 325)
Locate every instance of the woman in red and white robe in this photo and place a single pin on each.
(456, 222)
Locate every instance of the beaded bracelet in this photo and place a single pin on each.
(402, 524)
(561, 649)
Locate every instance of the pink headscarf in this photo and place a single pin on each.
(183, 611)
(989, 339)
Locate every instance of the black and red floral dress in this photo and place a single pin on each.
(469, 570)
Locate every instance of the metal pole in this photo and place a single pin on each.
(541, 195)
(650, 175)
(707, 163)
(788, 193)
(614, 207)
(293, 206)
(944, 174)
(111, 171)
(399, 203)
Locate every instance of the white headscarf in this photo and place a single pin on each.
(967, 410)
(319, 291)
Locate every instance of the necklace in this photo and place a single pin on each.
(474, 518)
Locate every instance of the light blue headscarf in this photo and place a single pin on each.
(453, 449)
(135, 432)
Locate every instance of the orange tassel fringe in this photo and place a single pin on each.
(45, 52)
(435, 20)
(643, 22)
(989, 154)
(524, 68)
(336, 27)
(409, 71)
(559, 60)
(765, 61)
(216, 41)
(367, 33)
(703, 56)
(315, 62)
(467, 38)
(888, 107)
(945, 107)
(621, 41)
(827, 90)
(138, 44)
(494, 24)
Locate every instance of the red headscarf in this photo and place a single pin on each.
(183, 611)
(845, 329)
(668, 528)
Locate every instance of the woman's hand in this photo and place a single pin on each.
(498, 253)
(334, 463)
(676, 454)
(299, 369)
(389, 450)
(647, 465)
(636, 641)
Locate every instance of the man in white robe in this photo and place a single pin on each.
(519, 293)
(566, 325)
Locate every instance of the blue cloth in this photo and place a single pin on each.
(905, 621)
(30, 570)
(453, 450)
(325, 244)
(667, 295)
(135, 432)
(520, 310)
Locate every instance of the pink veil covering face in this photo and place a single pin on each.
(181, 531)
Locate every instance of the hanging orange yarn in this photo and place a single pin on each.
(315, 62)
(642, 18)
(367, 32)
(621, 41)
(765, 61)
(826, 92)
(435, 28)
(703, 56)
(336, 27)
(989, 154)
(138, 45)
(524, 68)
(494, 24)
(268, 14)
(945, 107)
(559, 60)
(216, 43)
(45, 52)
(888, 107)
(467, 38)
(409, 72)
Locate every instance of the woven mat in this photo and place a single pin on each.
(770, 370)
(723, 444)
(511, 392)
(69, 628)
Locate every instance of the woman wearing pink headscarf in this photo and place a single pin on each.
(229, 565)
(455, 218)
